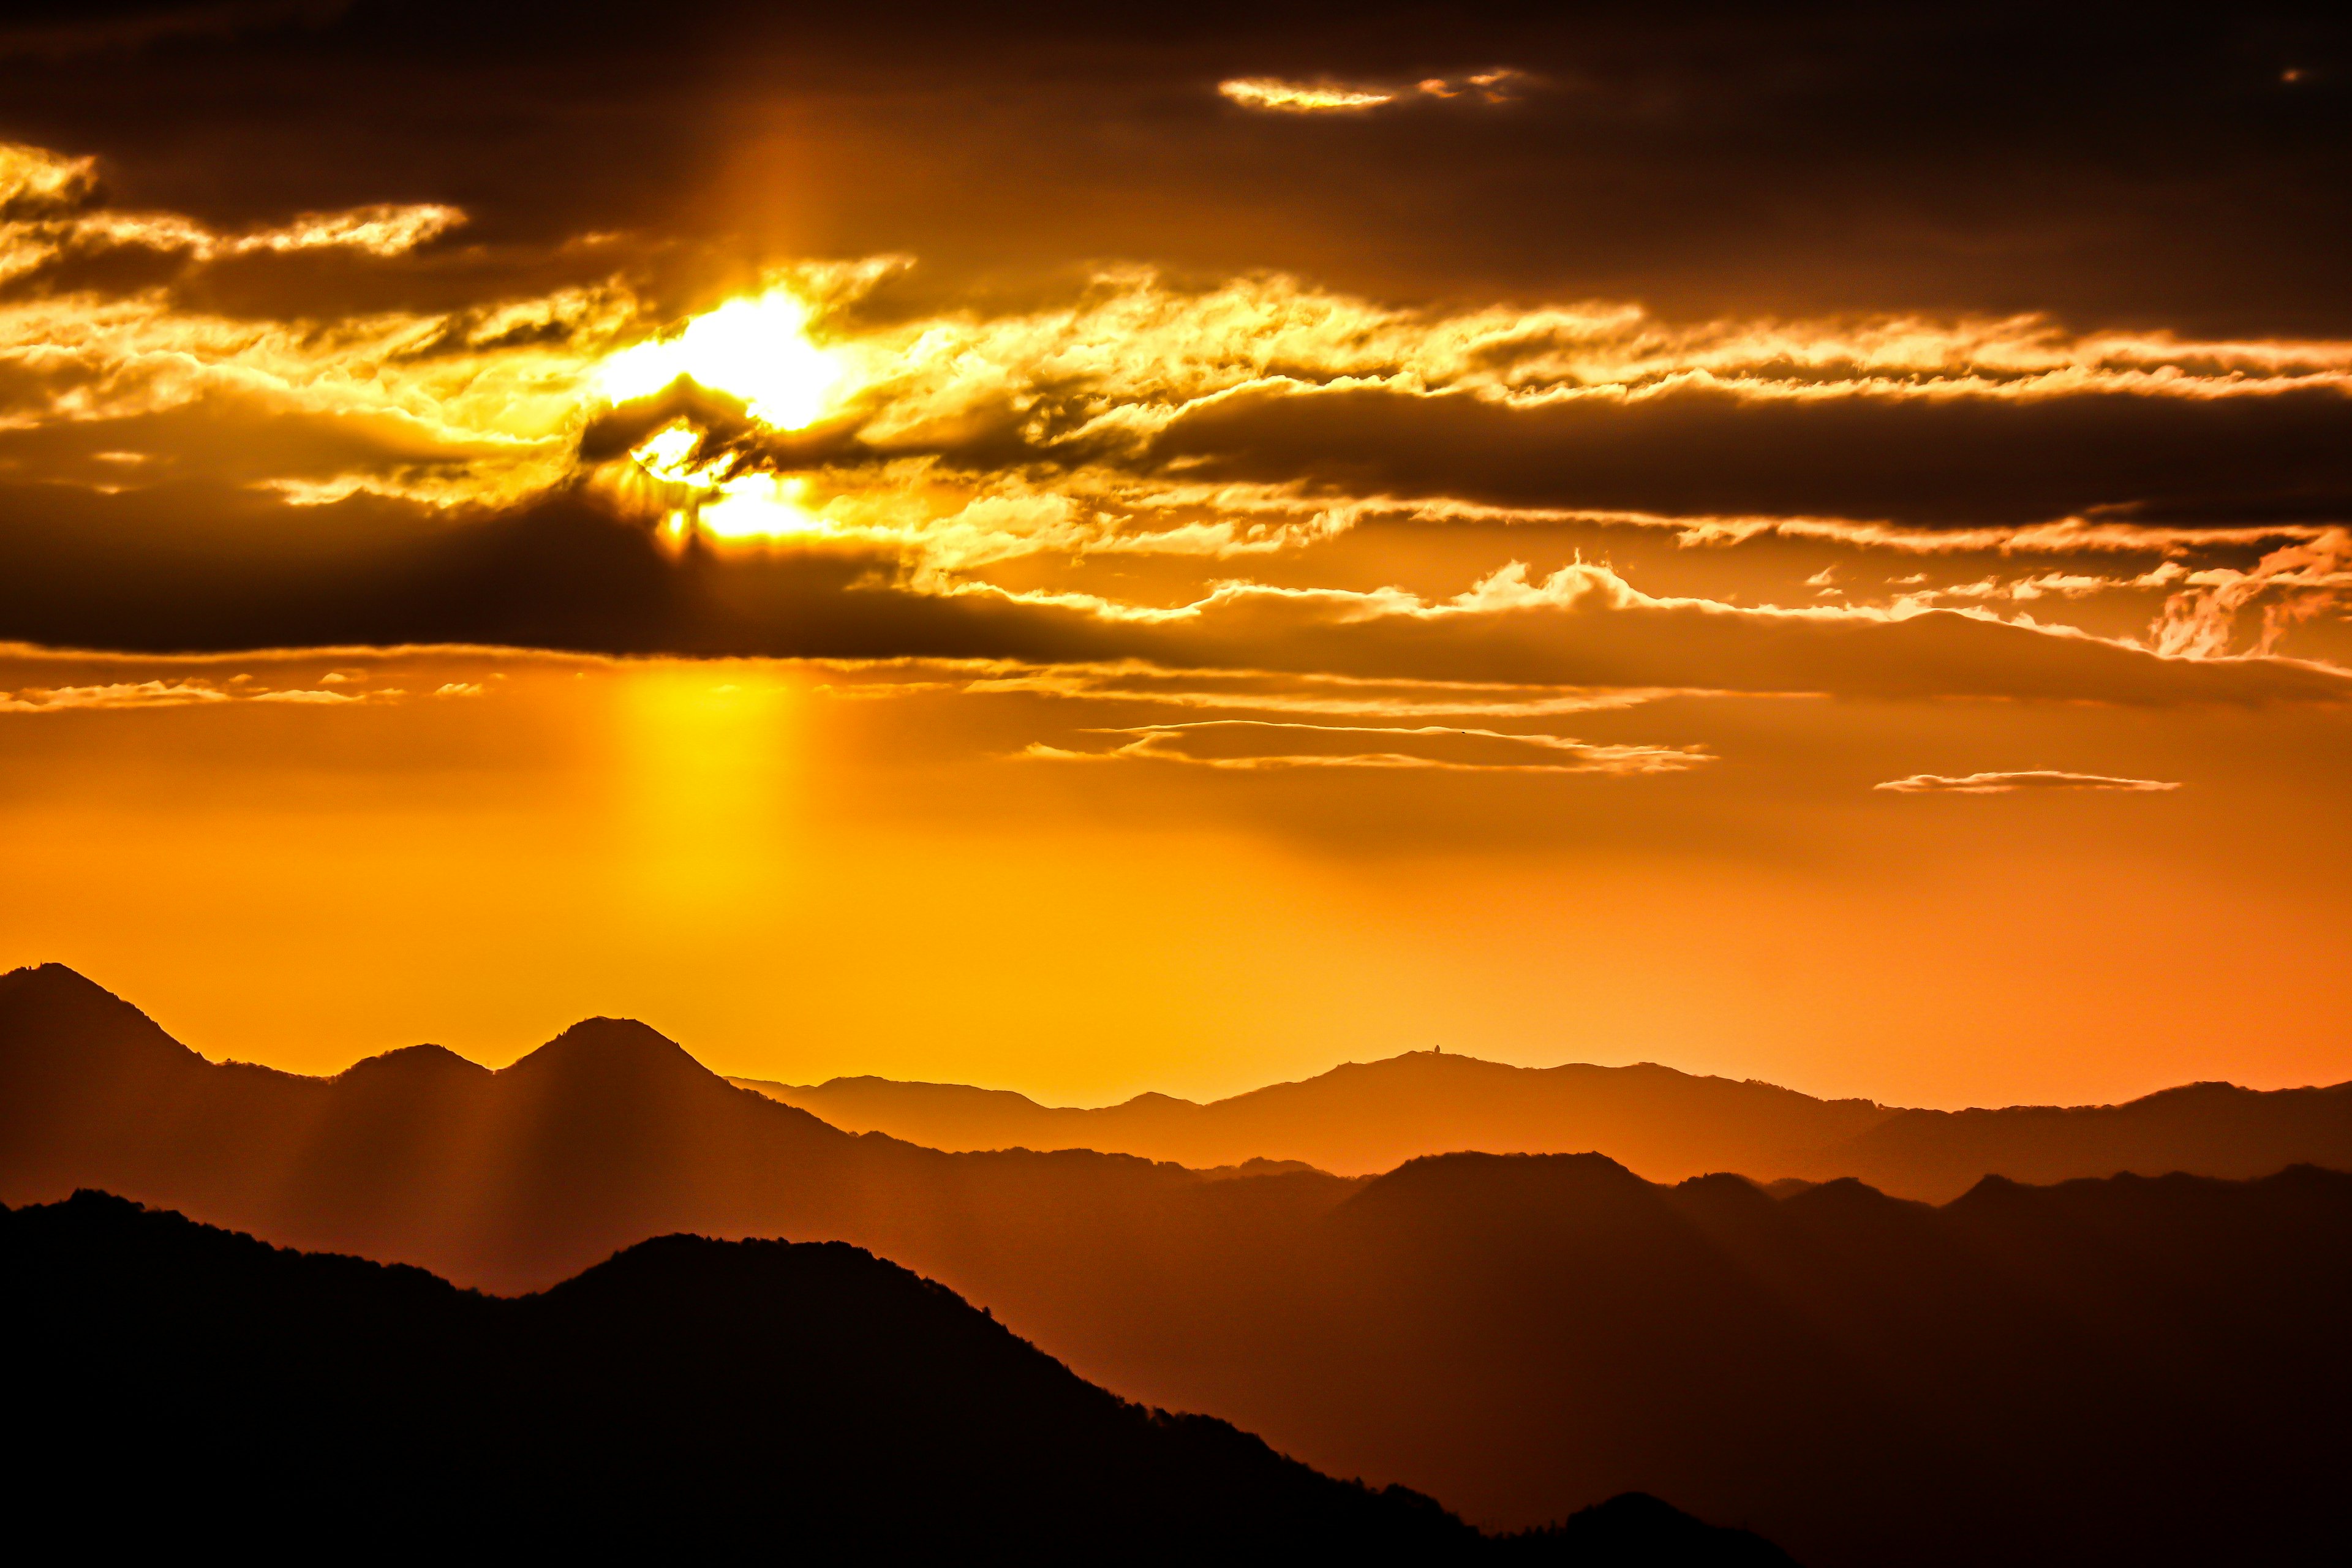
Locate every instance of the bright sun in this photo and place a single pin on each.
(756, 349)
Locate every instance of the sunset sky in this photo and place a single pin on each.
(1087, 552)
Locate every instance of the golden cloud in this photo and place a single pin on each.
(1256, 745)
(2005, 784)
(950, 443)
(1301, 98)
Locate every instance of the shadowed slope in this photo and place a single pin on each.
(1368, 1117)
(686, 1397)
(2204, 1129)
(2126, 1370)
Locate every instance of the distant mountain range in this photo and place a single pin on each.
(196, 1390)
(2143, 1370)
(1668, 1126)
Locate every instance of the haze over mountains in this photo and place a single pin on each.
(1368, 1117)
(2127, 1369)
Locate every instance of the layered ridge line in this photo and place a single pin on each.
(2036, 1374)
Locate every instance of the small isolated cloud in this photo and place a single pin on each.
(2004, 783)
(1328, 97)
(1301, 98)
(1492, 87)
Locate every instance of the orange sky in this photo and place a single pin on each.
(1169, 552)
(802, 872)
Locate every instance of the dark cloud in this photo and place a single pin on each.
(2107, 162)
(1963, 459)
(2092, 162)
(570, 574)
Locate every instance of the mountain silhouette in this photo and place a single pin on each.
(1364, 1117)
(2124, 1370)
(513, 1180)
(2142, 1369)
(2202, 1129)
(194, 1387)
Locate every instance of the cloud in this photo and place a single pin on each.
(1307, 692)
(1301, 98)
(479, 405)
(179, 692)
(1280, 97)
(571, 574)
(36, 183)
(917, 496)
(67, 40)
(114, 694)
(2294, 583)
(1141, 416)
(2004, 783)
(1712, 449)
(1253, 744)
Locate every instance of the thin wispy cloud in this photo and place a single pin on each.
(2030, 779)
(1249, 745)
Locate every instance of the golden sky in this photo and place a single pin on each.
(1175, 559)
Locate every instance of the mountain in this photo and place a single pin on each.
(2122, 1369)
(1368, 1117)
(512, 1180)
(688, 1397)
(2204, 1129)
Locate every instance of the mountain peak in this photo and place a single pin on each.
(606, 1047)
(51, 1012)
(52, 983)
(412, 1064)
(1504, 1180)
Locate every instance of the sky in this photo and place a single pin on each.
(1084, 551)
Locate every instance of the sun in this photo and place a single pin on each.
(757, 349)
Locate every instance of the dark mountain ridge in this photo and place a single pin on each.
(685, 1397)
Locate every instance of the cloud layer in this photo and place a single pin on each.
(333, 394)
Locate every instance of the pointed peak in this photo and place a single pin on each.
(605, 1047)
(50, 1007)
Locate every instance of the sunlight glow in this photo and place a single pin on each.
(755, 349)
(760, 506)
